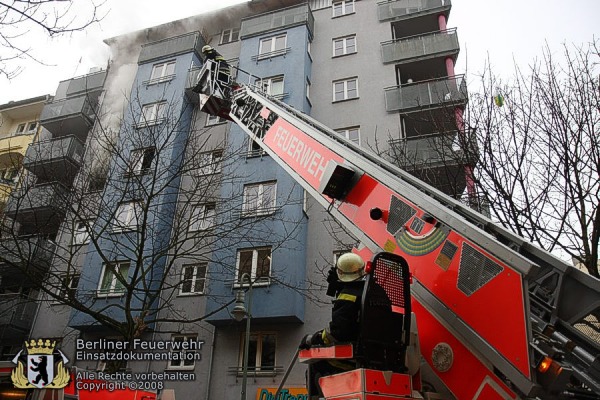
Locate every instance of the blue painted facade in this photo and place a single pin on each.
(170, 135)
(275, 302)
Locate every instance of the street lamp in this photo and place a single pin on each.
(239, 312)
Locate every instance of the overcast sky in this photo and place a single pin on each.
(504, 30)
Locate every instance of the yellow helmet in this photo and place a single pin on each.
(350, 267)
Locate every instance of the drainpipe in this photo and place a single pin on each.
(210, 362)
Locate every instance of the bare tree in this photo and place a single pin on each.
(533, 142)
(151, 194)
(19, 20)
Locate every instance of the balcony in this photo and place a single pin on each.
(71, 116)
(16, 143)
(170, 47)
(17, 253)
(435, 93)
(438, 159)
(16, 312)
(90, 85)
(419, 47)
(397, 10)
(57, 159)
(40, 208)
(272, 21)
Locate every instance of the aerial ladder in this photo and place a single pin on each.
(498, 318)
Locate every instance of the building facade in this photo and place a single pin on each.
(171, 210)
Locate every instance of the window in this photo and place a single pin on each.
(256, 263)
(345, 89)
(343, 46)
(193, 278)
(203, 217)
(308, 89)
(214, 120)
(113, 277)
(343, 7)
(152, 114)
(162, 72)
(81, 234)
(272, 86)
(272, 46)
(20, 129)
(261, 352)
(141, 160)
(254, 149)
(352, 134)
(230, 35)
(185, 354)
(68, 286)
(32, 127)
(210, 163)
(9, 175)
(259, 199)
(127, 215)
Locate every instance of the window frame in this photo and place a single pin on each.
(231, 32)
(260, 344)
(185, 337)
(266, 85)
(256, 281)
(193, 280)
(138, 159)
(346, 133)
(133, 213)
(68, 289)
(345, 46)
(156, 112)
(163, 77)
(78, 233)
(273, 51)
(113, 290)
(343, 9)
(212, 120)
(260, 209)
(210, 162)
(345, 89)
(200, 224)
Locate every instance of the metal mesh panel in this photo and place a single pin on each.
(475, 270)
(590, 326)
(400, 213)
(417, 225)
(389, 275)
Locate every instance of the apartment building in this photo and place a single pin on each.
(171, 207)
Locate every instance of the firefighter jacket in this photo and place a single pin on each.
(215, 56)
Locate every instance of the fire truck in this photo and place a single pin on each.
(485, 314)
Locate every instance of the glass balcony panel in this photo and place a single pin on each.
(69, 116)
(39, 206)
(432, 44)
(55, 159)
(272, 21)
(398, 9)
(426, 94)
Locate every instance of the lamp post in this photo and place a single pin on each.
(239, 312)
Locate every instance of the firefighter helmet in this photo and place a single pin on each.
(206, 48)
(350, 267)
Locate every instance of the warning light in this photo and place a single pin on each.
(545, 364)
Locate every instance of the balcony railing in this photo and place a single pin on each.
(256, 371)
(427, 150)
(397, 9)
(16, 311)
(286, 18)
(30, 251)
(54, 159)
(69, 116)
(434, 93)
(38, 204)
(434, 44)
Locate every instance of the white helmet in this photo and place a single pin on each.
(350, 267)
(206, 48)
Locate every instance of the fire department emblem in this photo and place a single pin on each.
(41, 372)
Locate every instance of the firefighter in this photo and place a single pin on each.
(224, 71)
(344, 325)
